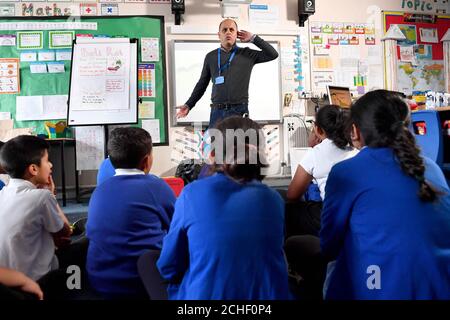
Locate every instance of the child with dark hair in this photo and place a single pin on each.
(32, 223)
(330, 130)
(386, 215)
(226, 237)
(129, 214)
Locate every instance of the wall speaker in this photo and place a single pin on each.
(178, 6)
(305, 9)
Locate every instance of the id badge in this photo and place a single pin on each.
(219, 80)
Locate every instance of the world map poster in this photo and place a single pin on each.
(425, 75)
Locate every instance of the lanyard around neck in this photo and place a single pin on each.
(227, 64)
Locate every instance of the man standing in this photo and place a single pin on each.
(229, 67)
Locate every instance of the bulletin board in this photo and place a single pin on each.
(152, 75)
(421, 55)
(346, 55)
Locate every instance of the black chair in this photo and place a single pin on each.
(154, 284)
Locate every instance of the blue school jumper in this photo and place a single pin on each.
(388, 244)
(128, 215)
(226, 242)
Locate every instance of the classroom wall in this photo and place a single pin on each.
(207, 14)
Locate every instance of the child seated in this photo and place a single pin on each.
(386, 215)
(226, 237)
(129, 214)
(31, 220)
(331, 146)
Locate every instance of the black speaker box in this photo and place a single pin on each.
(178, 6)
(306, 7)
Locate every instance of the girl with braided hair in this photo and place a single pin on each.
(386, 217)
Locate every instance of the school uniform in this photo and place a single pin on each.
(387, 243)
(303, 218)
(28, 218)
(321, 158)
(4, 180)
(129, 214)
(105, 171)
(225, 242)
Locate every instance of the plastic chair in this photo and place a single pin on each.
(154, 284)
(427, 130)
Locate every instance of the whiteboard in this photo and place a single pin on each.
(264, 88)
(103, 82)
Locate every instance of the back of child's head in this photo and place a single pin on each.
(333, 121)
(382, 117)
(240, 154)
(127, 147)
(19, 153)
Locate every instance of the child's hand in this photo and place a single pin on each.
(32, 287)
(62, 242)
(50, 185)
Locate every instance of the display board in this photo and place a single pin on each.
(103, 82)
(421, 56)
(264, 88)
(346, 55)
(35, 64)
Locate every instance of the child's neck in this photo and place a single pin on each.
(29, 177)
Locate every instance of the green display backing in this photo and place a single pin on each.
(58, 83)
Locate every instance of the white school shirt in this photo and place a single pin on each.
(321, 158)
(4, 178)
(129, 172)
(28, 216)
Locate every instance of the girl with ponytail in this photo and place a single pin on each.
(386, 217)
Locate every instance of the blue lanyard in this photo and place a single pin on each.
(227, 64)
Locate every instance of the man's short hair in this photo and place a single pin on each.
(19, 153)
(127, 147)
(220, 25)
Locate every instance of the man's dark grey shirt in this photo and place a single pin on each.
(237, 76)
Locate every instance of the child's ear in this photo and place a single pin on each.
(147, 163)
(150, 161)
(32, 170)
(318, 131)
(355, 136)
